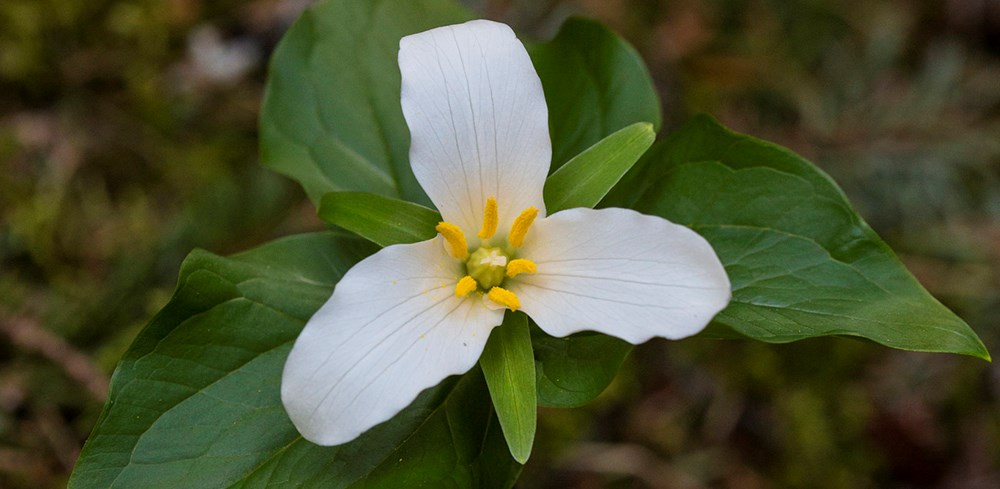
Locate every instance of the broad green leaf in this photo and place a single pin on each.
(195, 401)
(381, 220)
(801, 261)
(574, 370)
(595, 84)
(509, 367)
(584, 180)
(331, 117)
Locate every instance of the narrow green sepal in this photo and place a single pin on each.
(584, 180)
(381, 220)
(509, 367)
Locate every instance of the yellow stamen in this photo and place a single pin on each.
(457, 246)
(519, 266)
(521, 225)
(490, 219)
(505, 298)
(465, 286)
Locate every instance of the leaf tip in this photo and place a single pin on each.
(521, 455)
(978, 349)
(648, 130)
(984, 354)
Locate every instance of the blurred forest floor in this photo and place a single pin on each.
(128, 137)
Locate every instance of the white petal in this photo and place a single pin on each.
(478, 121)
(622, 273)
(392, 328)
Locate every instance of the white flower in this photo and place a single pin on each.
(405, 318)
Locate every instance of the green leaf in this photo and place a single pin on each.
(584, 180)
(381, 220)
(574, 370)
(195, 402)
(595, 84)
(331, 117)
(801, 261)
(509, 366)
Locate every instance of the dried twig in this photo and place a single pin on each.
(28, 335)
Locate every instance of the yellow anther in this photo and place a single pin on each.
(465, 286)
(519, 266)
(457, 246)
(505, 298)
(521, 225)
(490, 219)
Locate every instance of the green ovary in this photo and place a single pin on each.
(488, 266)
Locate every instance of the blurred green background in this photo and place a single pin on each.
(128, 137)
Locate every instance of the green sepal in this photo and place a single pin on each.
(584, 180)
(381, 220)
(509, 366)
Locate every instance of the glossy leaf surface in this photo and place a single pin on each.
(331, 117)
(801, 261)
(195, 402)
(595, 84)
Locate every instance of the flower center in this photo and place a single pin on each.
(489, 266)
